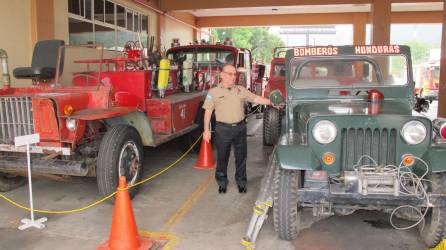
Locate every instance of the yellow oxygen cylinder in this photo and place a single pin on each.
(163, 76)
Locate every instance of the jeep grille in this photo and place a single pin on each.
(16, 118)
(379, 144)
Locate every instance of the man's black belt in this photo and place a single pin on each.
(232, 124)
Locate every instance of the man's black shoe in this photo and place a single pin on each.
(242, 189)
(221, 190)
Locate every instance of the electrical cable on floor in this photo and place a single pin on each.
(105, 198)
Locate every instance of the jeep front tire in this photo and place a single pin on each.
(433, 230)
(286, 209)
(120, 154)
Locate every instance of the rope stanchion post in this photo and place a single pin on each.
(26, 141)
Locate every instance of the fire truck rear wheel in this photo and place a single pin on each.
(9, 182)
(433, 230)
(271, 126)
(286, 210)
(120, 154)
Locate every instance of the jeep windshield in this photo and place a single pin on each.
(349, 71)
(203, 56)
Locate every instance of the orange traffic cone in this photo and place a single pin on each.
(205, 159)
(123, 233)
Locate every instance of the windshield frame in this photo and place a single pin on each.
(61, 57)
(198, 50)
(303, 61)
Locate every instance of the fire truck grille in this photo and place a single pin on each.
(16, 118)
(380, 144)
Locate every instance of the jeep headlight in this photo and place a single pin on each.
(71, 124)
(324, 132)
(414, 132)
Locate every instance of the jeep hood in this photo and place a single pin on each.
(305, 111)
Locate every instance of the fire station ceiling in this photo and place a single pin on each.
(203, 8)
(340, 8)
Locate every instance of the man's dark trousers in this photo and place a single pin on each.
(225, 135)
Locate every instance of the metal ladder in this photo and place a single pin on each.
(263, 203)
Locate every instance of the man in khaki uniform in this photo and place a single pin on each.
(228, 101)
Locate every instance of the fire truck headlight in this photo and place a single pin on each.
(71, 124)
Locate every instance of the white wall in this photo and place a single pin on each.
(175, 29)
(15, 35)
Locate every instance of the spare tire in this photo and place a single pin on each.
(272, 123)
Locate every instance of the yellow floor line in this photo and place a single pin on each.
(172, 239)
(175, 218)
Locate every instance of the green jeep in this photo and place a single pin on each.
(351, 140)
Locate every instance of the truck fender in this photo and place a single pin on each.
(139, 121)
(435, 158)
(297, 157)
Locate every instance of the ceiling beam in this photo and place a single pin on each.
(207, 4)
(313, 19)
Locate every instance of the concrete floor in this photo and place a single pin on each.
(184, 206)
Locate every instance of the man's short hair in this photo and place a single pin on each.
(226, 65)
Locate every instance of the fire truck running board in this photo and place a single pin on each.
(55, 166)
(160, 138)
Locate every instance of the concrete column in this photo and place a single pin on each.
(359, 28)
(161, 30)
(442, 87)
(381, 12)
(42, 20)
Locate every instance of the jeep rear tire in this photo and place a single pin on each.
(9, 182)
(286, 209)
(120, 154)
(434, 229)
(271, 126)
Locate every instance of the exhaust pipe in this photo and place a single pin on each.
(4, 64)
(58, 167)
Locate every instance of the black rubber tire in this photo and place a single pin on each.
(271, 126)
(434, 230)
(10, 182)
(286, 210)
(107, 169)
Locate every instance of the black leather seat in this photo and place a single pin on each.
(44, 62)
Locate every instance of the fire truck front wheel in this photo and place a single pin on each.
(9, 182)
(120, 154)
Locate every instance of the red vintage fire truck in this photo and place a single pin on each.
(95, 110)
